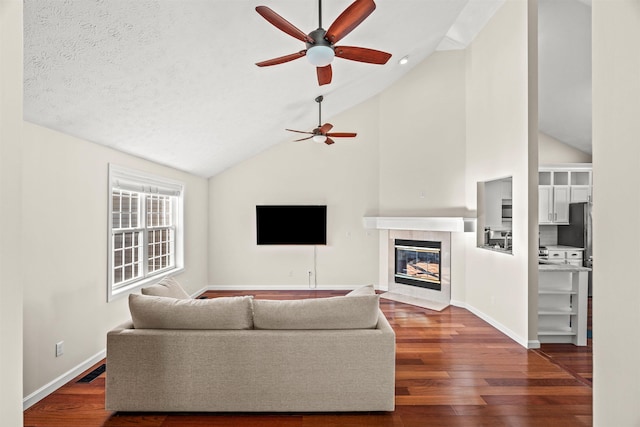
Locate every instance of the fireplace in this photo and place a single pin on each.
(417, 263)
(442, 232)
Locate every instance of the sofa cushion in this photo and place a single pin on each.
(362, 290)
(167, 287)
(153, 312)
(353, 312)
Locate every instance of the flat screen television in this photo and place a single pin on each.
(291, 225)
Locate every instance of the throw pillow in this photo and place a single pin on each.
(362, 290)
(152, 312)
(167, 287)
(353, 312)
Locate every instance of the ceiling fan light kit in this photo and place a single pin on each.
(320, 44)
(320, 56)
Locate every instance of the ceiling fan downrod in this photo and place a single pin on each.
(319, 101)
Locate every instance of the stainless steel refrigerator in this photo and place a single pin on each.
(578, 233)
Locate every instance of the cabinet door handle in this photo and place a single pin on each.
(555, 216)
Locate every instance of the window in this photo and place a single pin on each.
(145, 229)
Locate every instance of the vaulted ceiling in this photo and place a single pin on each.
(175, 82)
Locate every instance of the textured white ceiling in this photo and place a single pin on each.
(175, 81)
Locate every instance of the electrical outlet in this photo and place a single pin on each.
(59, 348)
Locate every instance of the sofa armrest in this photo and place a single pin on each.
(121, 327)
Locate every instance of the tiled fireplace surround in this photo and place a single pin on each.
(435, 229)
(388, 259)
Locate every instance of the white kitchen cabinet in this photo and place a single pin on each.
(562, 304)
(559, 186)
(561, 205)
(557, 256)
(574, 257)
(553, 204)
(580, 194)
(561, 255)
(545, 204)
(580, 182)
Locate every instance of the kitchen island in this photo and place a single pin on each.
(562, 303)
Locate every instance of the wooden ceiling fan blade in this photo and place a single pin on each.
(329, 141)
(349, 19)
(300, 131)
(303, 139)
(342, 134)
(326, 128)
(324, 75)
(362, 54)
(282, 24)
(282, 59)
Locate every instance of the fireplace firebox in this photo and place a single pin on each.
(417, 263)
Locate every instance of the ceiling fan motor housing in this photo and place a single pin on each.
(320, 53)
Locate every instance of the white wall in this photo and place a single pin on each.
(553, 151)
(11, 280)
(65, 195)
(616, 230)
(422, 140)
(497, 146)
(344, 176)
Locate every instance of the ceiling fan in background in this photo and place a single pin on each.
(320, 44)
(321, 133)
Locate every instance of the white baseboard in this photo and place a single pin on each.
(499, 326)
(47, 389)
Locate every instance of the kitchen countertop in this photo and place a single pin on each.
(498, 249)
(550, 266)
(563, 248)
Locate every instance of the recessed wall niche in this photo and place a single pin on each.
(495, 208)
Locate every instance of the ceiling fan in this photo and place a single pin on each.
(321, 133)
(320, 44)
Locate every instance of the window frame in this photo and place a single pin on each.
(145, 184)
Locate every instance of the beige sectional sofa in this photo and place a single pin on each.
(239, 354)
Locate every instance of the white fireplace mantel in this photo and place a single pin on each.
(431, 223)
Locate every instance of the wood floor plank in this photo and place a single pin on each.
(452, 369)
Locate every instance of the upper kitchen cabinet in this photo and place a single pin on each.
(557, 187)
(580, 186)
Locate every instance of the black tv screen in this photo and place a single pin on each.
(291, 225)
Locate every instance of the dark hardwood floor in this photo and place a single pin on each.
(576, 360)
(452, 369)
